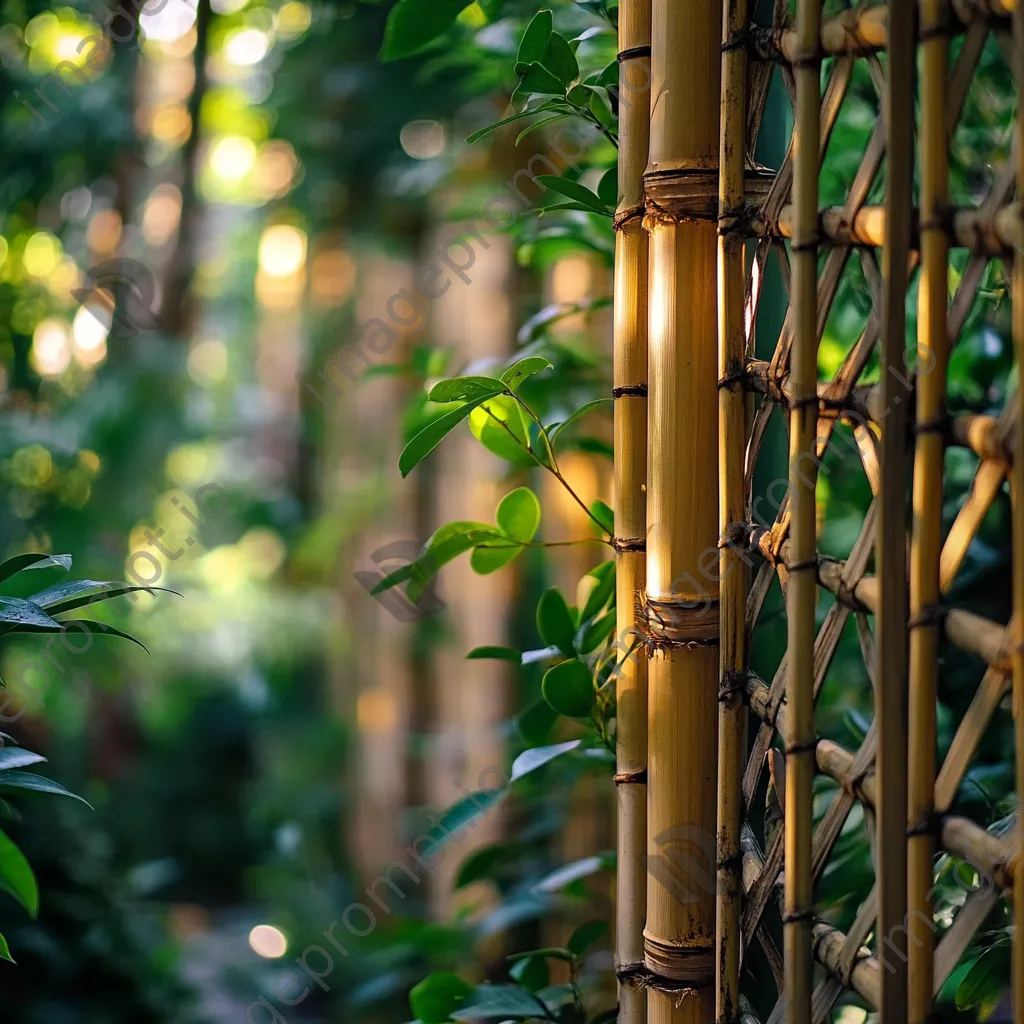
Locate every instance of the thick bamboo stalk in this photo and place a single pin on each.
(630, 393)
(732, 445)
(801, 599)
(732, 432)
(995, 233)
(926, 538)
(682, 510)
(1017, 491)
(891, 534)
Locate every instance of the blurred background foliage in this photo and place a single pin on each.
(274, 184)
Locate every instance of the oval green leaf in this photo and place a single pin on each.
(569, 689)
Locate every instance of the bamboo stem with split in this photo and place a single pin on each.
(926, 537)
(682, 510)
(799, 886)
(630, 395)
(732, 714)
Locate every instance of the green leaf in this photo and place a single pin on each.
(413, 24)
(66, 597)
(465, 389)
(586, 935)
(535, 78)
(535, 38)
(5, 952)
(37, 784)
(16, 612)
(484, 132)
(89, 625)
(522, 369)
(495, 653)
(536, 126)
(577, 414)
(15, 757)
(488, 558)
(511, 1002)
(530, 760)
(575, 191)
(536, 721)
(555, 622)
(16, 877)
(560, 60)
(437, 996)
(598, 632)
(499, 425)
(986, 978)
(601, 590)
(573, 872)
(569, 689)
(432, 435)
(518, 514)
(608, 187)
(480, 863)
(32, 560)
(604, 515)
(531, 972)
(448, 542)
(463, 812)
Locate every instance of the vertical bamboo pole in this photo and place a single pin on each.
(926, 543)
(682, 521)
(731, 448)
(1017, 492)
(891, 535)
(802, 597)
(630, 394)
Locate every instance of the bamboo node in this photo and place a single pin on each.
(632, 390)
(686, 967)
(797, 916)
(801, 747)
(929, 824)
(637, 778)
(686, 620)
(929, 615)
(626, 216)
(733, 380)
(937, 425)
(621, 544)
(633, 51)
(733, 685)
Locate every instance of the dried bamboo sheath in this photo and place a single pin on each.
(682, 510)
(926, 536)
(732, 714)
(801, 599)
(630, 391)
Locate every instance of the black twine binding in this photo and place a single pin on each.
(795, 917)
(633, 51)
(633, 390)
(802, 747)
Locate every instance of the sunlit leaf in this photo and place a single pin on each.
(569, 689)
(16, 877)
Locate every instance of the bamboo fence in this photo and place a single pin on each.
(894, 590)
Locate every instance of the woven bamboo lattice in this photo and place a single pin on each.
(892, 589)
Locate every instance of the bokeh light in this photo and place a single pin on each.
(51, 348)
(168, 22)
(246, 46)
(232, 157)
(268, 941)
(282, 250)
(42, 254)
(423, 140)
